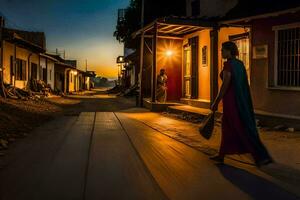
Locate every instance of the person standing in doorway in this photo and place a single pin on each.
(239, 131)
(161, 90)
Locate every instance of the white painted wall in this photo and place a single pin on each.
(50, 73)
(42, 66)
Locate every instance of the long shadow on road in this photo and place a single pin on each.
(254, 186)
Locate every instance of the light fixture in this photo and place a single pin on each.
(169, 53)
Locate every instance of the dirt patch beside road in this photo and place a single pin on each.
(18, 117)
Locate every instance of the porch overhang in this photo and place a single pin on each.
(174, 27)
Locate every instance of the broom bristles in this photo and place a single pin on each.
(207, 126)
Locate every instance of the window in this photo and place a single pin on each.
(287, 56)
(195, 7)
(242, 41)
(20, 69)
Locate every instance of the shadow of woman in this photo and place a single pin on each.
(255, 186)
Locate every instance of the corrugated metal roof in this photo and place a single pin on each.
(176, 26)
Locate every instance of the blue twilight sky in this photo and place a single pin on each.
(83, 28)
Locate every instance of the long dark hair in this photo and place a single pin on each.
(231, 46)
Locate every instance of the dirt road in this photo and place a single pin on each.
(91, 154)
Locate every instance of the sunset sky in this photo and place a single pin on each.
(83, 28)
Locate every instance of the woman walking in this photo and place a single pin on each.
(239, 132)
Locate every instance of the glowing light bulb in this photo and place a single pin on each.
(169, 53)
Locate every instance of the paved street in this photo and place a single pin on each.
(108, 155)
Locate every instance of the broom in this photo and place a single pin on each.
(207, 125)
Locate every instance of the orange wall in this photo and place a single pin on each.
(8, 51)
(21, 54)
(203, 70)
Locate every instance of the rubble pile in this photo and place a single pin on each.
(36, 89)
(115, 90)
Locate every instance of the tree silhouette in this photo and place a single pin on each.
(153, 9)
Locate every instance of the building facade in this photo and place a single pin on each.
(21, 56)
(268, 42)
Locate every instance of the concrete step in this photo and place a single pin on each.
(186, 109)
(156, 106)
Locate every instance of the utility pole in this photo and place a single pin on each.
(140, 99)
(1, 57)
(143, 14)
(86, 65)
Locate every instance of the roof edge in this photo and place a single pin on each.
(266, 15)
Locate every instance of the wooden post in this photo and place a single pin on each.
(15, 63)
(142, 13)
(2, 55)
(154, 50)
(141, 69)
(46, 71)
(214, 65)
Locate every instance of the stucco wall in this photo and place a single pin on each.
(50, 73)
(267, 98)
(21, 53)
(8, 51)
(203, 70)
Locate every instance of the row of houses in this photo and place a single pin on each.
(24, 58)
(189, 49)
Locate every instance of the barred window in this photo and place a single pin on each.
(288, 57)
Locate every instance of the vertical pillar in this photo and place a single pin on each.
(214, 64)
(1, 45)
(15, 64)
(141, 84)
(154, 50)
(2, 57)
(46, 81)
